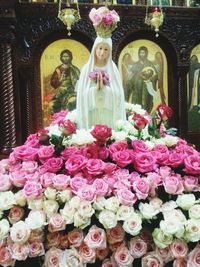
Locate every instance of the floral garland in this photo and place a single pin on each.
(112, 198)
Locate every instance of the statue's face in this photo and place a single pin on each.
(102, 51)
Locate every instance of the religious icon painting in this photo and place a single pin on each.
(143, 68)
(193, 90)
(60, 66)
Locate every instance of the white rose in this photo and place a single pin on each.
(85, 209)
(171, 226)
(148, 211)
(192, 230)
(71, 257)
(80, 221)
(50, 193)
(168, 206)
(108, 219)
(35, 204)
(124, 212)
(120, 124)
(4, 228)
(156, 203)
(170, 140)
(20, 199)
(82, 137)
(99, 203)
(64, 196)
(68, 213)
(194, 212)
(35, 219)
(133, 224)
(50, 207)
(118, 136)
(75, 202)
(175, 214)
(7, 200)
(161, 239)
(19, 232)
(112, 203)
(185, 201)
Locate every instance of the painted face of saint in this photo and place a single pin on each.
(66, 58)
(102, 51)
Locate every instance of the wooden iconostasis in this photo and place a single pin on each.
(32, 39)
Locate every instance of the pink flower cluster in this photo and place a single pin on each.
(104, 16)
(93, 75)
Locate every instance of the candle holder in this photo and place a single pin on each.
(155, 19)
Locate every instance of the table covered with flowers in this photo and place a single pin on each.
(128, 197)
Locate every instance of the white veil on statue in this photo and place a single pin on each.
(88, 111)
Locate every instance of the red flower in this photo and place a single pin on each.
(139, 121)
(101, 133)
(164, 112)
(67, 127)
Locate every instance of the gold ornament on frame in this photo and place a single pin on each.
(68, 15)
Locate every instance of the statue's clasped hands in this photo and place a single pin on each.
(100, 84)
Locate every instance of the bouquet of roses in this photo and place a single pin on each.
(104, 20)
(93, 75)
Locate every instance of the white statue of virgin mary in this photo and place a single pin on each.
(97, 102)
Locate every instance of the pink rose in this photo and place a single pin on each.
(46, 179)
(87, 254)
(194, 257)
(123, 257)
(139, 146)
(173, 184)
(36, 248)
(5, 183)
(144, 162)
(108, 19)
(179, 248)
(45, 152)
(67, 127)
(29, 166)
(6, 258)
(165, 254)
(53, 164)
(77, 183)
(192, 164)
(152, 259)
(20, 251)
(52, 257)
(61, 181)
(95, 166)
(162, 154)
(101, 187)
(25, 153)
(109, 263)
(87, 193)
(141, 188)
(56, 223)
(64, 242)
(103, 153)
(101, 133)
(101, 254)
(15, 214)
(95, 17)
(75, 237)
(96, 238)
(53, 239)
(90, 151)
(118, 146)
(33, 176)
(175, 159)
(122, 158)
(32, 190)
(115, 234)
(109, 168)
(137, 247)
(18, 178)
(32, 140)
(126, 197)
(67, 152)
(4, 165)
(75, 164)
(180, 262)
(190, 183)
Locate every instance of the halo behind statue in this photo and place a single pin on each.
(104, 21)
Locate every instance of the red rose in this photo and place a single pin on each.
(164, 112)
(139, 121)
(101, 133)
(67, 127)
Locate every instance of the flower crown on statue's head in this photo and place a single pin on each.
(104, 21)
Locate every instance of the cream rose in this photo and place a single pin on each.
(133, 224)
(108, 218)
(20, 232)
(4, 228)
(7, 200)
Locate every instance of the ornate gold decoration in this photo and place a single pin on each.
(155, 18)
(68, 15)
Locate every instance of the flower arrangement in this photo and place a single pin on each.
(102, 197)
(104, 20)
(94, 75)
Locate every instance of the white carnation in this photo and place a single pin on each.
(81, 137)
(170, 140)
(72, 116)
